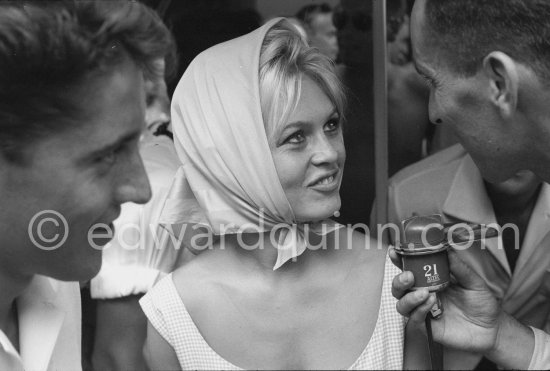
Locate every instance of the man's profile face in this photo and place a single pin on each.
(323, 35)
(462, 103)
(83, 174)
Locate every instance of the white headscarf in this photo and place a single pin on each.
(228, 181)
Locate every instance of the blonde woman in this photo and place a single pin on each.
(258, 128)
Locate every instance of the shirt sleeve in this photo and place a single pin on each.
(541, 355)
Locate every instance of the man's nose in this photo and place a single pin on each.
(433, 111)
(134, 184)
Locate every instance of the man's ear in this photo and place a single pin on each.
(502, 72)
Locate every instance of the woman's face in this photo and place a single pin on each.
(309, 155)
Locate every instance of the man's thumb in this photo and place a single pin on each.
(464, 275)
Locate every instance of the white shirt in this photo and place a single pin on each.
(541, 354)
(49, 316)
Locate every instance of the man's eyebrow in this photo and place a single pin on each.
(419, 70)
(114, 145)
(425, 74)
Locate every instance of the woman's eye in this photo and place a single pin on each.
(295, 138)
(332, 125)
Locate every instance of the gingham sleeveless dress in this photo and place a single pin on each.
(167, 313)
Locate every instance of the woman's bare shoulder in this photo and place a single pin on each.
(200, 275)
(365, 250)
(364, 262)
(206, 284)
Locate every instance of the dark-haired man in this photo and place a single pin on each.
(488, 65)
(71, 115)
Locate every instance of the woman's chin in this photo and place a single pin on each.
(318, 217)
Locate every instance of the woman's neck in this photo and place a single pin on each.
(258, 247)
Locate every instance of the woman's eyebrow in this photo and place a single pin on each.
(305, 122)
(300, 124)
(296, 125)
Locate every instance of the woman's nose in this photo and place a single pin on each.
(324, 152)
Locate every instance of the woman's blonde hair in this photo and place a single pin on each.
(284, 59)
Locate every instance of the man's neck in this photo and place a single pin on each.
(505, 204)
(541, 167)
(515, 210)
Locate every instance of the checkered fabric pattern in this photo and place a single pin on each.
(385, 348)
(166, 312)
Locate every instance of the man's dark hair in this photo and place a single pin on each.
(306, 14)
(465, 31)
(49, 48)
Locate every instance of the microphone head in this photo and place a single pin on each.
(423, 231)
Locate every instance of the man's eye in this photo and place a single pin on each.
(431, 83)
(108, 158)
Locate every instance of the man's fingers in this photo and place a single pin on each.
(401, 284)
(418, 315)
(463, 274)
(395, 258)
(408, 304)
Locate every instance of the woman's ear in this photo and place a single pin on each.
(502, 73)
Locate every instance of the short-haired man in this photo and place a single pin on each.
(137, 256)
(512, 265)
(488, 65)
(321, 32)
(71, 115)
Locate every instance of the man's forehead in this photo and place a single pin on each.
(418, 41)
(417, 20)
(115, 108)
